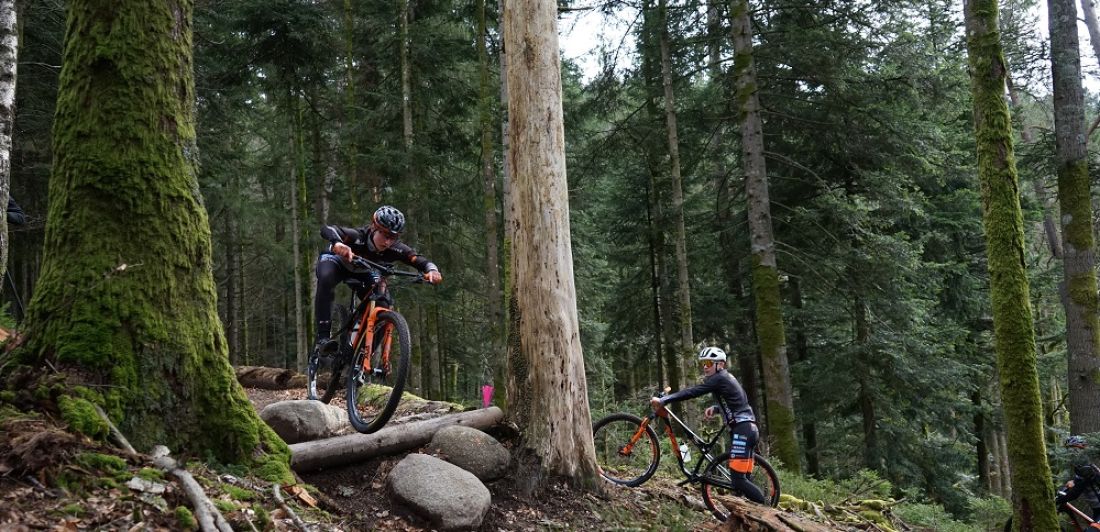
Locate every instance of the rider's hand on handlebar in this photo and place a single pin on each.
(433, 277)
(655, 402)
(342, 250)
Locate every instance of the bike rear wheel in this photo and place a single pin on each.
(625, 453)
(373, 396)
(718, 482)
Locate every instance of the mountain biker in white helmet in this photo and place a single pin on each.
(736, 411)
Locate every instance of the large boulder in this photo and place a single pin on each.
(447, 495)
(472, 450)
(303, 420)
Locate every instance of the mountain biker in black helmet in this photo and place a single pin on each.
(734, 406)
(1085, 481)
(377, 241)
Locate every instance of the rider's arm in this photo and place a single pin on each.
(335, 233)
(409, 256)
(707, 386)
(1069, 492)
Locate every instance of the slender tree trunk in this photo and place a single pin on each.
(350, 149)
(1013, 330)
(301, 342)
(140, 337)
(1089, 14)
(981, 449)
(500, 378)
(687, 343)
(493, 293)
(9, 57)
(802, 354)
(232, 319)
(655, 268)
(765, 276)
(1074, 198)
(548, 387)
(865, 396)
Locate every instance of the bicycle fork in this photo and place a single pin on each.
(364, 340)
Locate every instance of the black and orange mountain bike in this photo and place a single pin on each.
(628, 452)
(373, 346)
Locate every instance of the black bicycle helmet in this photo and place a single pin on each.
(390, 218)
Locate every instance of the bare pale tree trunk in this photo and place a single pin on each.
(547, 385)
(301, 343)
(9, 56)
(1089, 12)
(1013, 328)
(687, 342)
(765, 273)
(501, 377)
(493, 293)
(1075, 200)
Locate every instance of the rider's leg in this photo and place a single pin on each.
(329, 274)
(744, 436)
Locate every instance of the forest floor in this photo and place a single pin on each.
(80, 484)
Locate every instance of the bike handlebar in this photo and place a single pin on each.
(386, 270)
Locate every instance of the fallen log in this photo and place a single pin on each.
(330, 452)
(749, 517)
(269, 378)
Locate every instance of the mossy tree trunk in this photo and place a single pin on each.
(1013, 330)
(126, 303)
(549, 394)
(683, 284)
(9, 55)
(765, 274)
(1078, 243)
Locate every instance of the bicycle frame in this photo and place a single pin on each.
(702, 446)
(1077, 517)
(367, 315)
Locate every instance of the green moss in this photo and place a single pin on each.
(74, 509)
(82, 417)
(185, 518)
(7, 396)
(101, 462)
(149, 473)
(225, 506)
(239, 494)
(263, 519)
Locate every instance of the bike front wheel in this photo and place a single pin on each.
(718, 482)
(627, 450)
(373, 394)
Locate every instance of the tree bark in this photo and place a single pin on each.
(9, 58)
(1089, 14)
(687, 342)
(126, 304)
(342, 450)
(1075, 201)
(548, 391)
(301, 342)
(765, 274)
(268, 378)
(493, 294)
(1013, 330)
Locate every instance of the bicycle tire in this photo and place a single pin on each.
(392, 376)
(763, 475)
(611, 435)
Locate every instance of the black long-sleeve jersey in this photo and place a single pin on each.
(359, 242)
(1081, 486)
(15, 214)
(731, 397)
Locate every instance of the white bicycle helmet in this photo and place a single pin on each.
(712, 353)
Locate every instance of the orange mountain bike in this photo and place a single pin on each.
(628, 452)
(374, 347)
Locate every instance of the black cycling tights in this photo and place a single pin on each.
(330, 272)
(747, 488)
